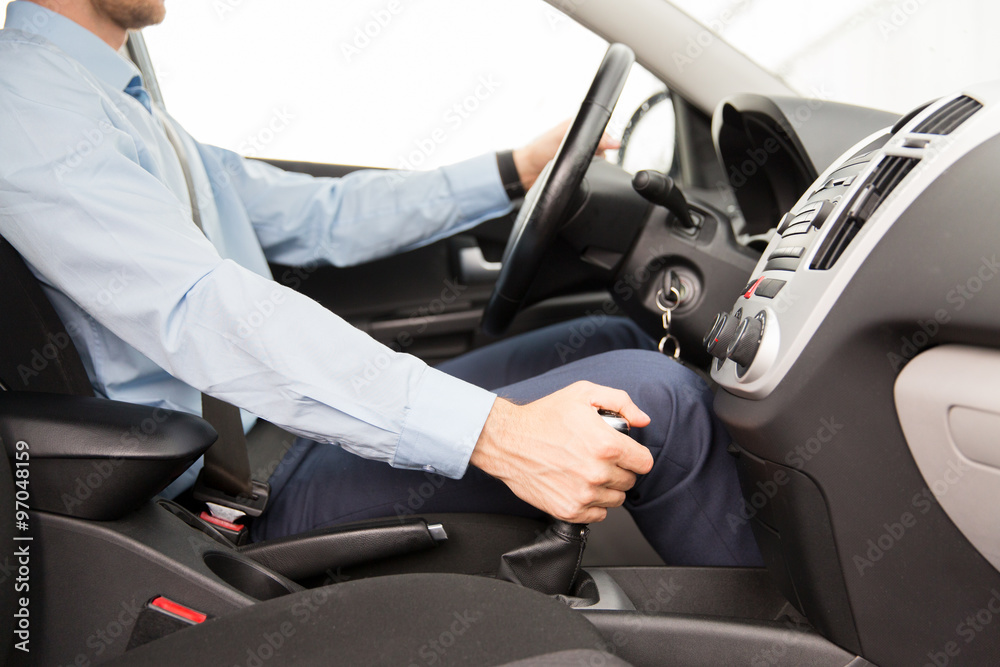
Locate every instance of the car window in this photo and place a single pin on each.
(886, 54)
(385, 83)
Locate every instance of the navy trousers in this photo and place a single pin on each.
(687, 506)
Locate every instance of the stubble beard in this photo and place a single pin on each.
(132, 14)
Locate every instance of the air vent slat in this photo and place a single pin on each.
(947, 119)
(889, 173)
(950, 121)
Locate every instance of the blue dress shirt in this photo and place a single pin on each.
(93, 196)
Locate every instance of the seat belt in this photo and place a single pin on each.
(225, 483)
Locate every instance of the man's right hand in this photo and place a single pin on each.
(560, 456)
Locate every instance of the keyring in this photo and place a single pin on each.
(676, 352)
(660, 297)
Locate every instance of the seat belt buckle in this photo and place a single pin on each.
(162, 617)
(251, 504)
(236, 533)
(224, 512)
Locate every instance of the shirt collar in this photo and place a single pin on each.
(76, 41)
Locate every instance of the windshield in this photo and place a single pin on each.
(887, 54)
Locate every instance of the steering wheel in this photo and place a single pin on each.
(545, 206)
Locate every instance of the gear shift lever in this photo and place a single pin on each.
(551, 563)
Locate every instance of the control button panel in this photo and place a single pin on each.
(742, 339)
(794, 251)
(746, 342)
(722, 333)
(769, 288)
(749, 336)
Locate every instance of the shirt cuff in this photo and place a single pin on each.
(477, 187)
(442, 425)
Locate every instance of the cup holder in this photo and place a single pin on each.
(246, 576)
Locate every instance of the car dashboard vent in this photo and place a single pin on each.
(946, 119)
(887, 175)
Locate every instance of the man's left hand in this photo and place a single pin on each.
(531, 159)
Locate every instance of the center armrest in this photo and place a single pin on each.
(93, 458)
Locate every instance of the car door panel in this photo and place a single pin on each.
(421, 301)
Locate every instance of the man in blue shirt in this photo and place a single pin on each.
(92, 194)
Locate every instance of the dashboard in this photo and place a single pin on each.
(859, 376)
(821, 242)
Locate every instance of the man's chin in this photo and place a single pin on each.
(133, 14)
(154, 13)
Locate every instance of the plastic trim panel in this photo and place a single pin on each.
(948, 402)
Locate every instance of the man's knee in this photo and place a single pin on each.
(651, 370)
(685, 384)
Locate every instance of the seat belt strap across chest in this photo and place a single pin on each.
(225, 483)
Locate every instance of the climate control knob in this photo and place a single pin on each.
(744, 347)
(722, 333)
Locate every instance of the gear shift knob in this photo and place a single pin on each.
(614, 420)
(620, 424)
(551, 563)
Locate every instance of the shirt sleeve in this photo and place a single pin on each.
(101, 229)
(365, 215)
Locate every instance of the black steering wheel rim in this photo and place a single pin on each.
(545, 206)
